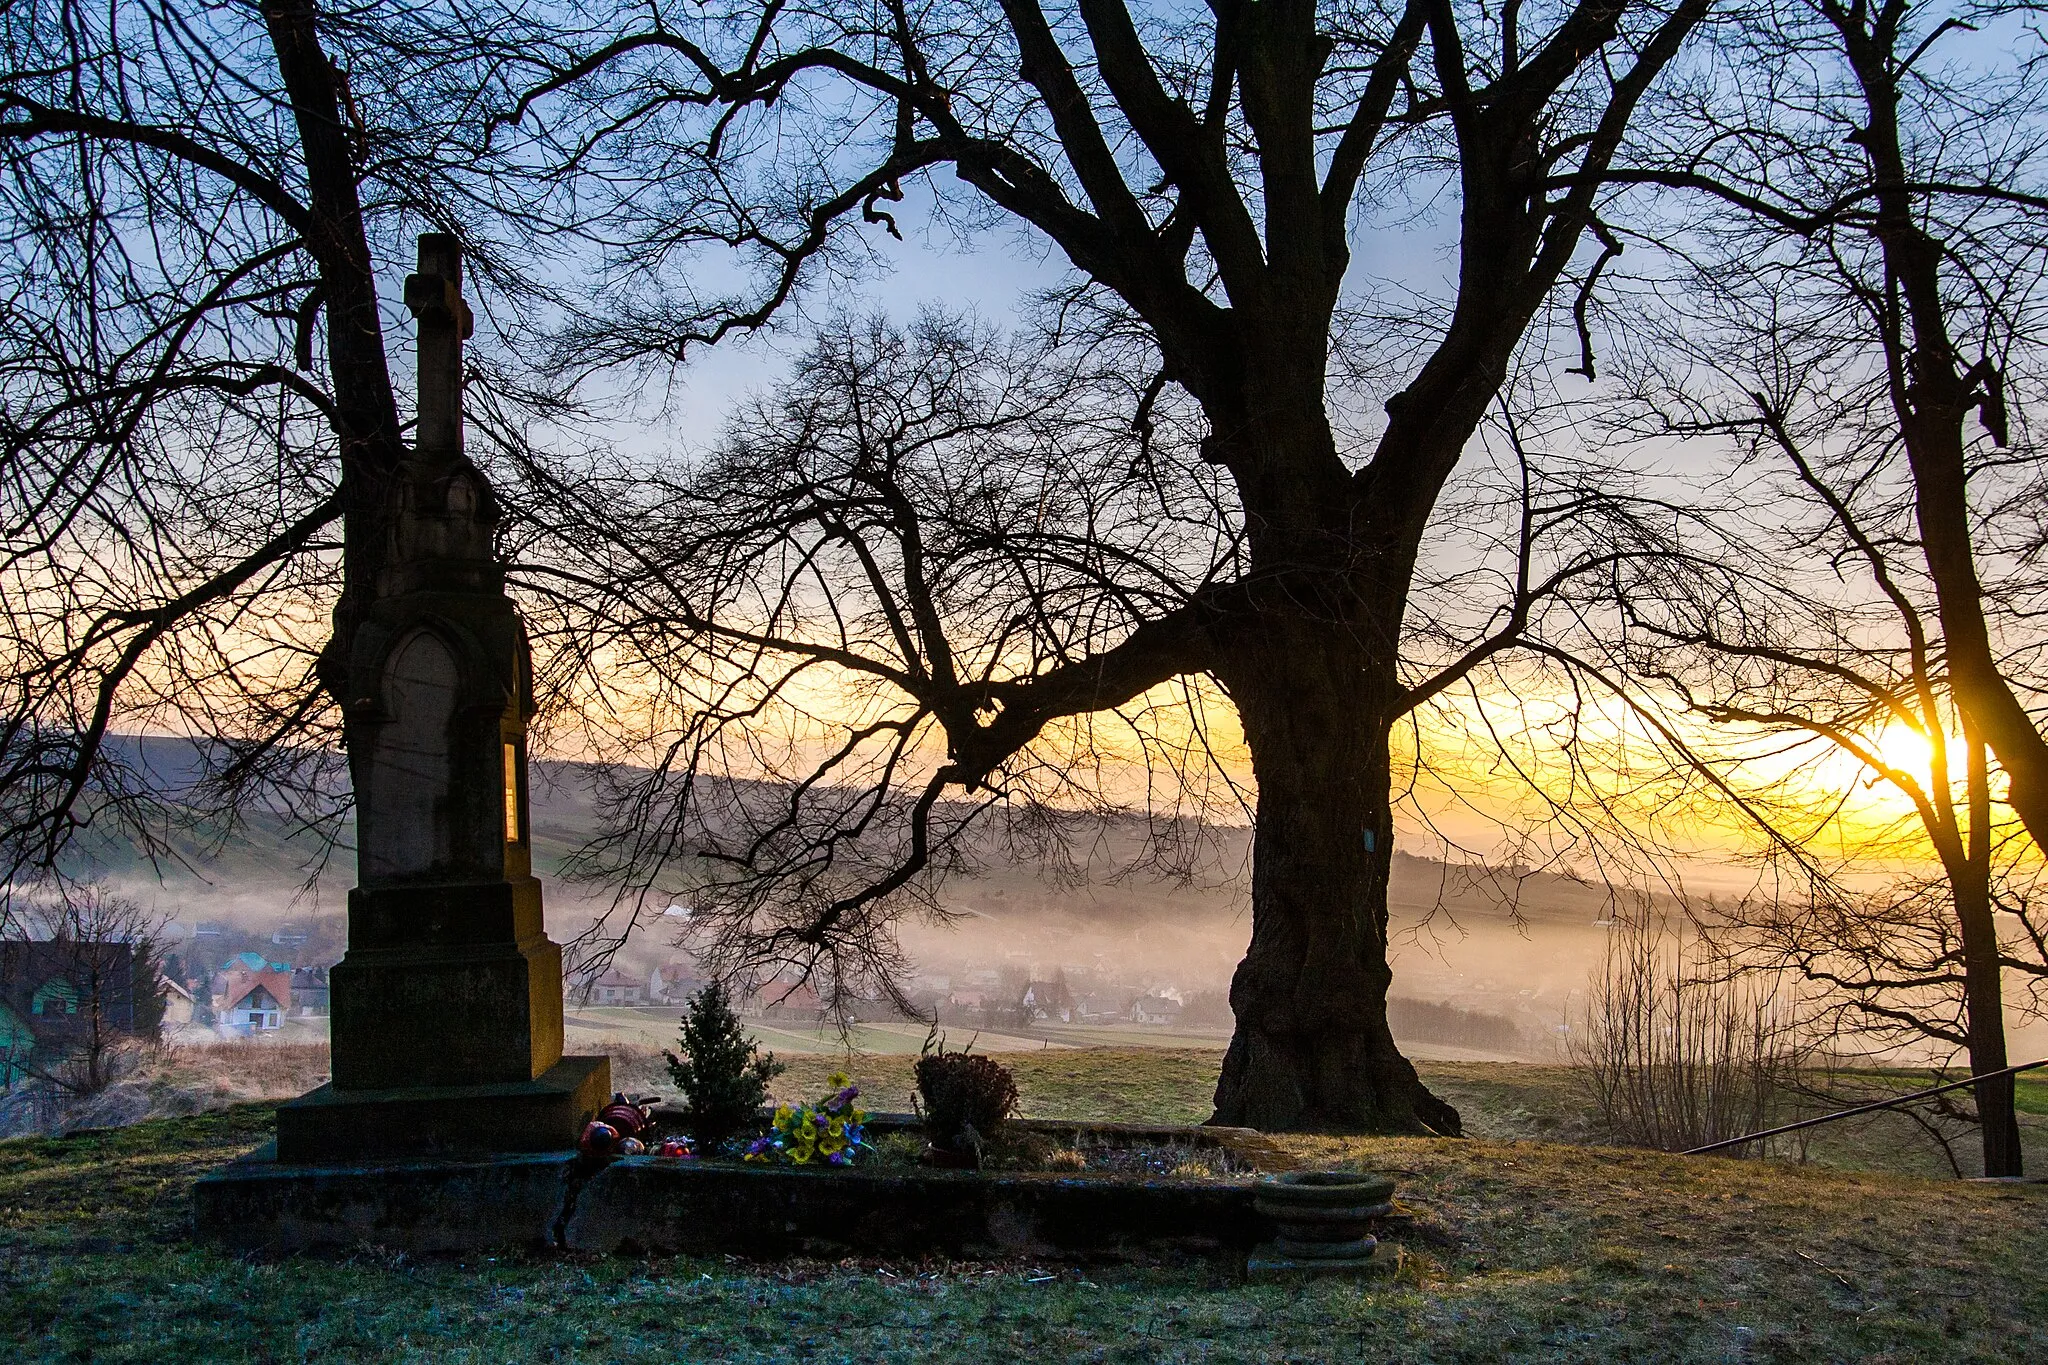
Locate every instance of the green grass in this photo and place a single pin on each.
(1139, 1085)
(1502, 1100)
(1522, 1250)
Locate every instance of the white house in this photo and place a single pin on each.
(1155, 1009)
(616, 988)
(257, 1011)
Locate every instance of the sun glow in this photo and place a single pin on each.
(1910, 752)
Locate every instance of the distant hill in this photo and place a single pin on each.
(269, 852)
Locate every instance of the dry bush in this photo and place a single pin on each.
(164, 1080)
(1674, 1055)
(248, 1069)
(169, 1080)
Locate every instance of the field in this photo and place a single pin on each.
(1523, 1250)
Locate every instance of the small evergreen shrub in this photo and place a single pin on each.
(965, 1097)
(722, 1075)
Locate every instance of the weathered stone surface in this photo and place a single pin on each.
(1323, 1220)
(543, 1114)
(261, 1205)
(447, 1008)
(1266, 1265)
(649, 1204)
(410, 768)
(462, 997)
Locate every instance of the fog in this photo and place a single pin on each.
(1517, 946)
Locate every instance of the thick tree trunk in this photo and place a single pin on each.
(1312, 1050)
(365, 408)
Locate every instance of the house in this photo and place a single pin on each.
(253, 994)
(787, 1000)
(1046, 1001)
(256, 1010)
(1155, 1009)
(289, 936)
(673, 983)
(1096, 1007)
(309, 991)
(616, 988)
(967, 1006)
(207, 928)
(59, 991)
(17, 1043)
(178, 1003)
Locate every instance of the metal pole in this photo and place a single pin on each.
(1892, 1103)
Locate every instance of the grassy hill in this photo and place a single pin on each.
(1521, 1250)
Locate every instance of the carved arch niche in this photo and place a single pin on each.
(411, 771)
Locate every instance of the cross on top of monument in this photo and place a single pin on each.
(434, 294)
(443, 509)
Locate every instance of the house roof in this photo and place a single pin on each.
(85, 967)
(238, 982)
(786, 995)
(256, 997)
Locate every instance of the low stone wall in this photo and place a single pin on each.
(647, 1204)
(644, 1204)
(263, 1205)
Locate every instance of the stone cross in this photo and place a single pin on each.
(447, 1008)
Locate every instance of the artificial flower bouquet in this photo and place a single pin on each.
(831, 1132)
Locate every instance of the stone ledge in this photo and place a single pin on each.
(1257, 1150)
(647, 1204)
(545, 1114)
(259, 1204)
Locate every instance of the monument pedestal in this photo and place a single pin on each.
(541, 1115)
(447, 1009)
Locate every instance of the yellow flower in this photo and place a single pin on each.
(838, 1081)
(832, 1144)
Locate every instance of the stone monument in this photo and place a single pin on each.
(447, 1008)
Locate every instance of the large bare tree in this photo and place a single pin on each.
(1848, 294)
(1819, 652)
(1878, 175)
(1206, 176)
(199, 419)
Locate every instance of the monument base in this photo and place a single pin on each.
(1268, 1263)
(541, 1115)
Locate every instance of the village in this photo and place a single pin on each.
(199, 982)
(220, 981)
